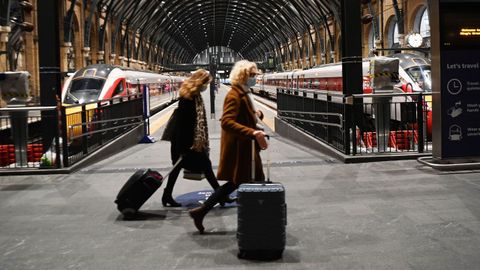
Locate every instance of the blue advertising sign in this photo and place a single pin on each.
(460, 103)
(460, 79)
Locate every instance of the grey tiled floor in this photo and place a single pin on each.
(382, 215)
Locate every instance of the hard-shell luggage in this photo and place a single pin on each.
(139, 187)
(136, 191)
(262, 218)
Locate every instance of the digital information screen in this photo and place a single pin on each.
(460, 25)
(460, 78)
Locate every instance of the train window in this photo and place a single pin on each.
(119, 89)
(86, 89)
(422, 76)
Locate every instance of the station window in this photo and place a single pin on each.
(425, 25)
(422, 23)
(393, 38)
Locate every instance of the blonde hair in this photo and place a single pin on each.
(241, 71)
(192, 85)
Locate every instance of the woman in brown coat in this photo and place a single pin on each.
(239, 127)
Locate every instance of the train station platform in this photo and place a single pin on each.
(379, 215)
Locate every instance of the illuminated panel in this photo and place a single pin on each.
(460, 26)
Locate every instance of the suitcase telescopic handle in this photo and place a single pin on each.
(173, 168)
(253, 160)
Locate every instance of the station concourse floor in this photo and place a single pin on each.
(379, 215)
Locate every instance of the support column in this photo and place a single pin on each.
(67, 56)
(332, 57)
(351, 66)
(378, 44)
(101, 56)
(49, 57)
(401, 40)
(122, 60)
(112, 58)
(87, 59)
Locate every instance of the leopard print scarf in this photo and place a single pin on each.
(200, 133)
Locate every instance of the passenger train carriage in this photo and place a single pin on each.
(95, 85)
(414, 76)
(102, 82)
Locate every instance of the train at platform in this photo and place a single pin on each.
(414, 76)
(91, 89)
(103, 82)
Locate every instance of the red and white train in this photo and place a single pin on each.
(414, 76)
(102, 82)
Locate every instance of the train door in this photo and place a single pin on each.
(301, 82)
(294, 81)
(289, 83)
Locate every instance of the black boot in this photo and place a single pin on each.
(168, 201)
(198, 214)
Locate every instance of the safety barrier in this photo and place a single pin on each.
(89, 126)
(23, 142)
(360, 124)
(56, 137)
(318, 114)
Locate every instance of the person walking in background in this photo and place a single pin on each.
(190, 137)
(239, 127)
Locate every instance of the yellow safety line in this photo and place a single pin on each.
(158, 123)
(269, 121)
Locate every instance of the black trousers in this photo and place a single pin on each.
(219, 195)
(201, 162)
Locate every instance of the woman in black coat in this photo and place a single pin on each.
(190, 137)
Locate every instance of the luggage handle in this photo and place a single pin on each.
(173, 168)
(253, 161)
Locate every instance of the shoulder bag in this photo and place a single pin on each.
(169, 131)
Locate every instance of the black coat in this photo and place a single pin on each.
(182, 139)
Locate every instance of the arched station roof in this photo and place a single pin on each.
(184, 28)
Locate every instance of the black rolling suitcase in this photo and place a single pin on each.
(136, 191)
(262, 218)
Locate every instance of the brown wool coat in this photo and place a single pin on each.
(238, 124)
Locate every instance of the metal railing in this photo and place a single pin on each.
(56, 137)
(23, 140)
(392, 123)
(318, 114)
(87, 127)
(380, 123)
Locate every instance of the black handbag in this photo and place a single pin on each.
(191, 175)
(169, 131)
(193, 165)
